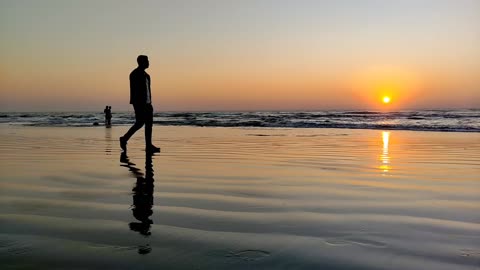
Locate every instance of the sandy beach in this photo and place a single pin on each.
(239, 198)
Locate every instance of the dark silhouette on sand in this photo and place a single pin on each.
(142, 194)
(141, 99)
(108, 115)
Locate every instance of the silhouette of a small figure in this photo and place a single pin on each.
(141, 99)
(106, 112)
(108, 115)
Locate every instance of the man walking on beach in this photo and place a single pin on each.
(141, 99)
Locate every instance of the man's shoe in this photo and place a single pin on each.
(123, 144)
(152, 149)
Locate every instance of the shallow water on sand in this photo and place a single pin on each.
(221, 198)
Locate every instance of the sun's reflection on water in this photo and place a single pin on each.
(384, 157)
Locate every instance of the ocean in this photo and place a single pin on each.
(421, 120)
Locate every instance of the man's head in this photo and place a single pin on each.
(142, 61)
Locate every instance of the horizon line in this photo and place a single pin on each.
(275, 110)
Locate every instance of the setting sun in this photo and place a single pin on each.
(386, 99)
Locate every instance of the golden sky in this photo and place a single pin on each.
(241, 55)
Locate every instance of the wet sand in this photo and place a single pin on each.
(226, 198)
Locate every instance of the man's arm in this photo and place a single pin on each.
(133, 92)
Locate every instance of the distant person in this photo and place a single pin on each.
(109, 116)
(141, 99)
(105, 111)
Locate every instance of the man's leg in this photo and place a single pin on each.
(139, 121)
(149, 147)
(148, 125)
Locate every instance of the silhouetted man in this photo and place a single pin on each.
(141, 99)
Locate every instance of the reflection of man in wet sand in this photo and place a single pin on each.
(142, 194)
(141, 99)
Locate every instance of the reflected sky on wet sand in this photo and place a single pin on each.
(226, 198)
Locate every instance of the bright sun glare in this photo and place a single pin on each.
(386, 99)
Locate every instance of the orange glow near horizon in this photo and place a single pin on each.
(387, 83)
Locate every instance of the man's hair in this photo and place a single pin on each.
(141, 58)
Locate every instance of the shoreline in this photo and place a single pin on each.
(7, 125)
(444, 121)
